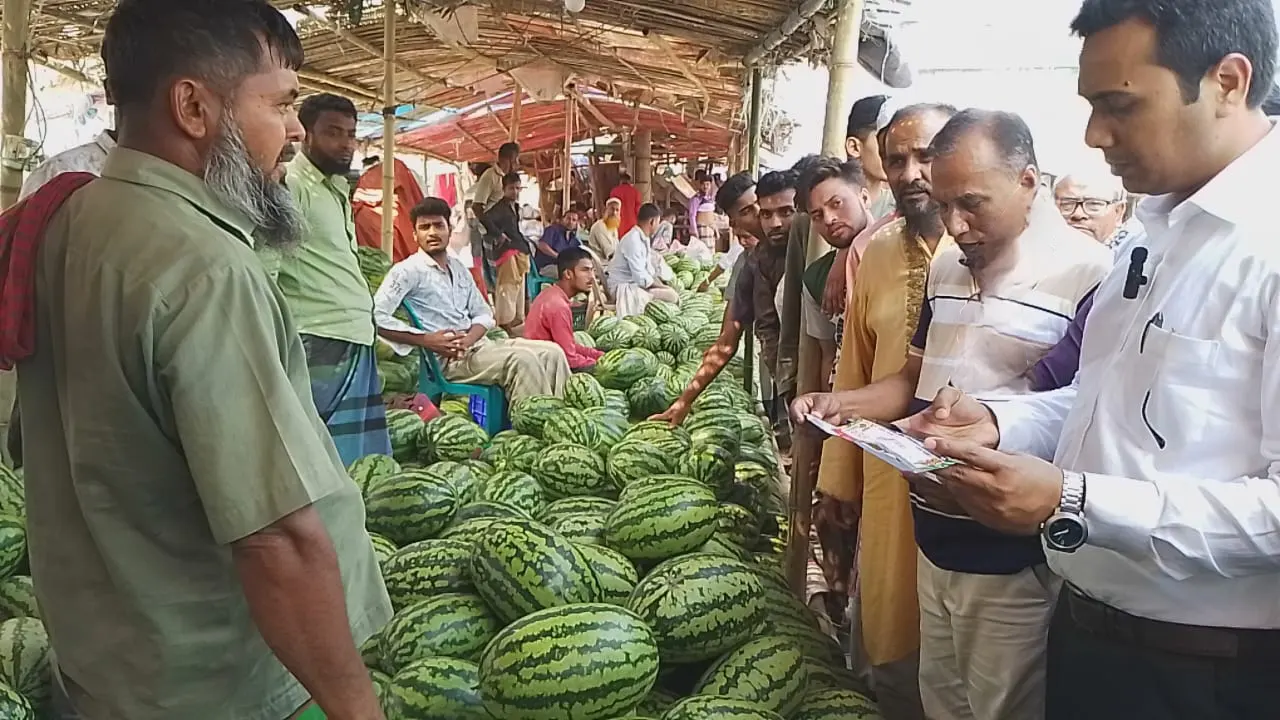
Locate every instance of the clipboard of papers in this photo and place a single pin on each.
(887, 443)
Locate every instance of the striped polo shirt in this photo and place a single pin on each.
(988, 340)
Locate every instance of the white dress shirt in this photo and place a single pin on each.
(1174, 416)
(88, 157)
(443, 299)
(630, 264)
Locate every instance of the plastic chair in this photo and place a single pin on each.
(534, 281)
(487, 403)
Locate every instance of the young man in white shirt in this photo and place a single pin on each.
(633, 276)
(1161, 508)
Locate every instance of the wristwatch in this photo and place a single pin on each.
(1066, 531)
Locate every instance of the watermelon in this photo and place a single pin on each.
(571, 506)
(404, 428)
(835, 704)
(427, 568)
(488, 509)
(479, 468)
(618, 338)
(450, 437)
(13, 706)
(673, 440)
(661, 312)
(712, 707)
(529, 413)
(520, 567)
(400, 378)
(584, 339)
(738, 524)
(667, 359)
(583, 391)
(661, 520)
(583, 529)
(577, 662)
(616, 400)
(642, 322)
(406, 508)
(674, 340)
(371, 468)
(769, 671)
(513, 452)
(690, 355)
(24, 659)
(700, 606)
(13, 544)
(631, 460)
(724, 547)
(647, 338)
(574, 426)
(382, 548)
(648, 396)
(18, 598)
(470, 530)
(435, 688)
(751, 429)
(619, 369)
(456, 625)
(381, 686)
(726, 438)
(710, 465)
(602, 324)
(617, 574)
(456, 406)
(657, 702)
(460, 476)
(514, 488)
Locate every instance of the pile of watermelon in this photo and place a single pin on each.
(26, 679)
(589, 564)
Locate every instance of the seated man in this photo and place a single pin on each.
(558, 237)
(633, 274)
(454, 317)
(664, 240)
(551, 317)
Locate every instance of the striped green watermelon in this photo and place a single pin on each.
(18, 599)
(13, 706)
(713, 398)
(690, 355)
(631, 460)
(700, 606)
(382, 548)
(512, 452)
(528, 414)
(602, 324)
(573, 426)
(451, 437)
(657, 702)
(661, 312)
(769, 671)
(456, 625)
(13, 544)
(617, 338)
(12, 494)
(575, 506)
(584, 339)
(583, 391)
(436, 688)
(661, 520)
(583, 529)
(577, 662)
(710, 707)
(24, 659)
(479, 468)
(406, 508)
(751, 429)
(609, 427)
(617, 574)
(673, 440)
(371, 468)
(648, 396)
(456, 406)
(371, 651)
(714, 435)
(404, 427)
(642, 322)
(825, 676)
(710, 465)
(520, 567)
(738, 524)
(381, 687)
(470, 530)
(460, 476)
(722, 419)
(647, 338)
(836, 705)
(488, 508)
(514, 488)
(616, 400)
(674, 339)
(427, 568)
(619, 369)
(800, 630)
(667, 359)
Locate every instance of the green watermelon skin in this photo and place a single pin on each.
(616, 573)
(382, 548)
(13, 706)
(618, 369)
(568, 507)
(632, 460)
(13, 499)
(616, 400)
(436, 689)
(427, 568)
(18, 598)
(583, 391)
(661, 312)
(460, 476)
(514, 488)
(24, 659)
(488, 509)
(582, 529)
(660, 521)
(583, 338)
(648, 396)
(738, 525)
(700, 606)
(710, 707)
(835, 704)
(577, 662)
(450, 437)
(769, 671)
(530, 413)
(409, 507)
(370, 469)
(568, 470)
(13, 544)
(514, 452)
(674, 441)
(456, 625)
(468, 531)
(521, 567)
(404, 427)
(710, 465)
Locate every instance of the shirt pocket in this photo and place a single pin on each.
(1176, 375)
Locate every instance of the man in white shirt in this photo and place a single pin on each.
(88, 157)
(633, 276)
(1162, 504)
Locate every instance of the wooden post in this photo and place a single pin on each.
(13, 111)
(389, 128)
(842, 72)
(754, 111)
(567, 166)
(517, 102)
(644, 165)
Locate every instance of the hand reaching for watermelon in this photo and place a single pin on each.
(674, 414)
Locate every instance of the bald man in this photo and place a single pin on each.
(1092, 205)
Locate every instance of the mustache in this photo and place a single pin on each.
(231, 176)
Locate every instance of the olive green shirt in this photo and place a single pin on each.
(167, 412)
(321, 277)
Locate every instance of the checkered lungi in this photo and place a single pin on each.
(344, 384)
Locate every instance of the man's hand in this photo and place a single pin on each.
(1014, 494)
(836, 524)
(704, 285)
(447, 344)
(834, 298)
(833, 512)
(825, 405)
(936, 495)
(956, 416)
(674, 415)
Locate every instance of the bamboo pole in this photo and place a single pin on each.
(567, 166)
(517, 102)
(389, 128)
(842, 72)
(754, 112)
(644, 165)
(13, 104)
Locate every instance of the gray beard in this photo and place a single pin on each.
(231, 176)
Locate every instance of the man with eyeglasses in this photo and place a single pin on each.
(1092, 205)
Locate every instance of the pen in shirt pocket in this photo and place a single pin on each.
(1156, 321)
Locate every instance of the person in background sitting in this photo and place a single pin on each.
(664, 240)
(455, 318)
(603, 240)
(633, 276)
(551, 316)
(558, 237)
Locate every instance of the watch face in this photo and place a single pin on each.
(1065, 533)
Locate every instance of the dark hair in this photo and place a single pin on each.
(864, 115)
(803, 167)
(371, 160)
(624, 176)
(1271, 105)
(569, 258)
(701, 176)
(772, 183)
(647, 212)
(829, 168)
(1006, 130)
(220, 42)
(509, 151)
(670, 211)
(510, 178)
(313, 106)
(732, 189)
(573, 208)
(1194, 35)
(431, 207)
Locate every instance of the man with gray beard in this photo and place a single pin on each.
(197, 548)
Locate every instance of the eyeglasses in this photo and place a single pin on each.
(1092, 206)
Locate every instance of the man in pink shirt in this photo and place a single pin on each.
(551, 317)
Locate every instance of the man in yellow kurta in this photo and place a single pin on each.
(861, 494)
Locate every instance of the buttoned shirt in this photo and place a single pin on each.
(321, 277)
(88, 157)
(1173, 417)
(168, 413)
(551, 319)
(443, 298)
(631, 263)
(488, 189)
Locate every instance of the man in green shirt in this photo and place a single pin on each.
(322, 282)
(197, 548)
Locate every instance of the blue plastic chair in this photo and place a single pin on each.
(534, 281)
(487, 403)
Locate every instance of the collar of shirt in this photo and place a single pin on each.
(140, 168)
(301, 169)
(105, 141)
(638, 233)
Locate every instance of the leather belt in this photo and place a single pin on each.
(1108, 623)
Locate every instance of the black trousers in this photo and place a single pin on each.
(1093, 678)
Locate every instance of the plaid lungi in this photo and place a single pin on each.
(344, 384)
